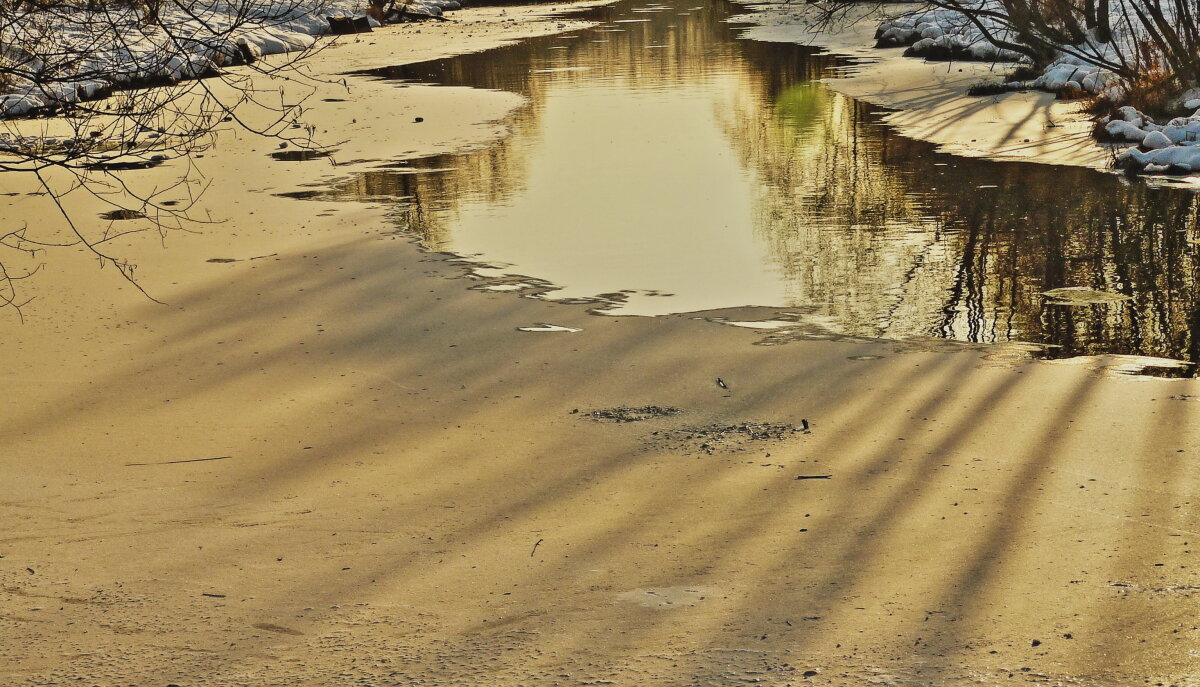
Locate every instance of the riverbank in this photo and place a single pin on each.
(331, 459)
(929, 99)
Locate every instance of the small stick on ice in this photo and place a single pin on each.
(176, 462)
(535, 545)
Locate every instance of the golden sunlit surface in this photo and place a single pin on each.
(337, 457)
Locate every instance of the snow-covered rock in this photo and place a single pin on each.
(1156, 140)
(1124, 131)
(1174, 159)
(16, 105)
(947, 34)
(1162, 149)
(941, 34)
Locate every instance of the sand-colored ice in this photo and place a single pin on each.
(405, 493)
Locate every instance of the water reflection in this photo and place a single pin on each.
(666, 156)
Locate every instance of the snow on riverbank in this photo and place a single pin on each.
(1169, 148)
(66, 55)
(929, 100)
(948, 35)
(942, 34)
(997, 127)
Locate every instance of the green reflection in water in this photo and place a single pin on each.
(802, 105)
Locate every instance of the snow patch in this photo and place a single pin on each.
(112, 47)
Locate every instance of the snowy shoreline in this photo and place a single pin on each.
(1169, 148)
(929, 100)
(69, 56)
(930, 67)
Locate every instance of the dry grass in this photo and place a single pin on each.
(7, 81)
(1152, 92)
(1072, 93)
(1025, 72)
(988, 88)
(1021, 73)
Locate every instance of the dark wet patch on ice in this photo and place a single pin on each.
(279, 629)
(727, 438)
(303, 195)
(121, 214)
(126, 166)
(631, 413)
(300, 155)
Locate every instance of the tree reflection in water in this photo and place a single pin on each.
(877, 235)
